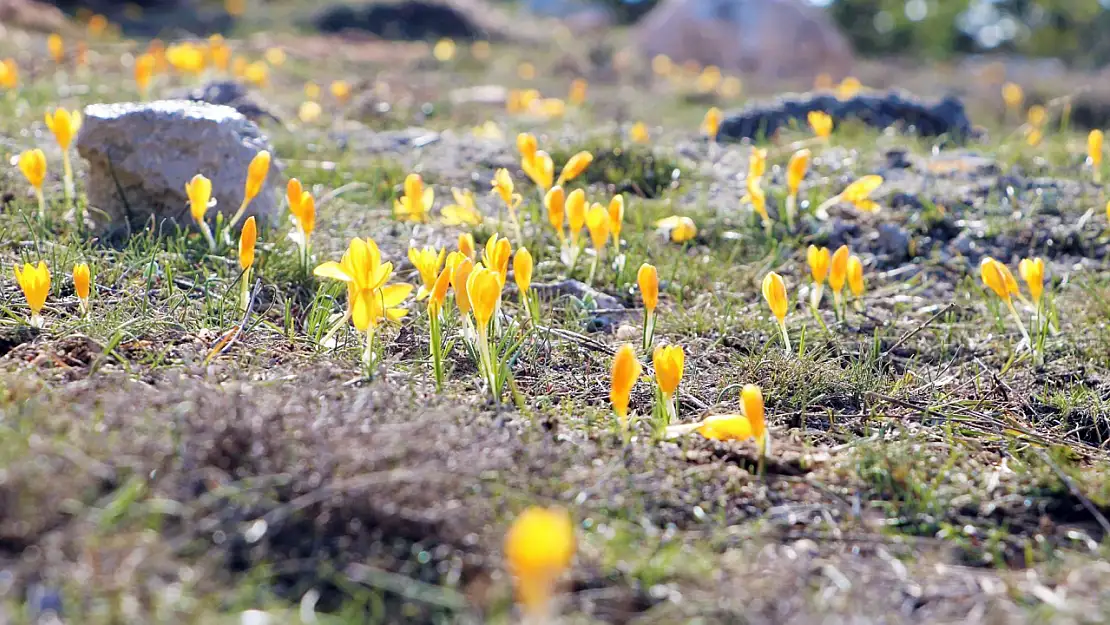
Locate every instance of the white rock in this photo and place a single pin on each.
(141, 154)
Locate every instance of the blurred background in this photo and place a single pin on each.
(1072, 31)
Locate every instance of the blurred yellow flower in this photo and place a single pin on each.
(577, 95)
(858, 194)
(576, 213)
(711, 123)
(821, 123)
(1032, 271)
(186, 57)
(274, 56)
(9, 74)
(416, 202)
(709, 79)
(998, 278)
(1013, 96)
(575, 166)
(64, 124)
(796, 171)
(541, 170)
(1037, 116)
(639, 133)
(33, 165)
(818, 259)
(145, 66)
(848, 88)
(463, 212)
(502, 185)
(597, 223)
(1094, 153)
(309, 111)
(312, 91)
(56, 47)
(539, 547)
(219, 52)
(680, 228)
(555, 203)
(526, 71)
(444, 50)
(855, 275)
(616, 219)
(662, 65)
(340, 90)
(467, 246)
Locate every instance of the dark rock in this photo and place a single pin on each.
(408, 20)
(764, 119)
(902, 200)
(894, 240)
(898, 159)
(840, 232)
(229, 93)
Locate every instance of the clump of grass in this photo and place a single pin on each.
(633, 169)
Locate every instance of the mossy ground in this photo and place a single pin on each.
(925, 469)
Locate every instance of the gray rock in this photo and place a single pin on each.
(894, 240)
(141, 155)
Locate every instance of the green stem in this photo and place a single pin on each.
(42, 204)
(791, 210)
(649, 330)
(208, 236)
(368, 352)
(436, 330)
(239, 213)
(244, 290)
(593, 268)
(785, 336)
(1017, 319)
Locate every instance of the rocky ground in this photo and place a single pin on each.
(925, 468)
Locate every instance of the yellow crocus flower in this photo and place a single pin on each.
(467, 245)
(577, 94)
(82, 285)
(639, 133)
(427, 262)
(35, 284)
(257, 171)
(32, 163)
(669, 362)
(555, 203)
(575, 166)
(539, 547)
(774, 291)
(616, 219)
(56, 47)
(416, 202)
(1032, 271)
(496, 256)
(624, 373)
(1094, 154)
(711, 123)
(248, 237)
(821, 123)
(463, 212)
